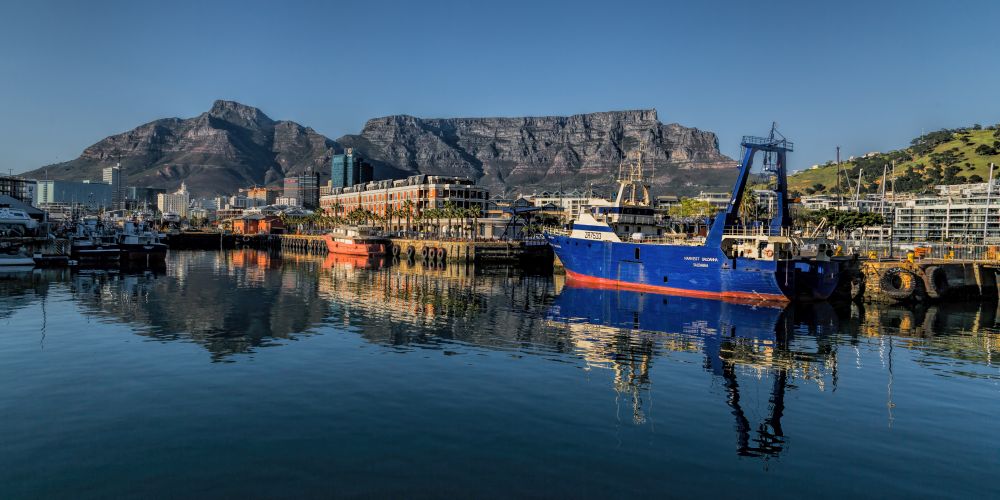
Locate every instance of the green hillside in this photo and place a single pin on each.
(953, 156)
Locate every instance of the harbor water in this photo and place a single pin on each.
(252, 374)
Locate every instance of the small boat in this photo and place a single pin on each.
(355, 240)
(16, 222)
(91, 244)
(50, 260)
(14, 257)
(140, 244)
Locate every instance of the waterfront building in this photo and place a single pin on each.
(176, 202)
(86, 194)
(717, 200)
(115, 177)
(349, 169)
(18, 188)
(967, 213)
(416, 192)
(258, 224)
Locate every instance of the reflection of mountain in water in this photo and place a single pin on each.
(228, 302)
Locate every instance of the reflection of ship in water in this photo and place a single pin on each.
(624, 331)
(227, 302)
(371, 262)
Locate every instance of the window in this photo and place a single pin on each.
(664, 279)
(636, 253)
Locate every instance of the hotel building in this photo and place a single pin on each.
(422, 191)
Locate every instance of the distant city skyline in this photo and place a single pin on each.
(867, 76)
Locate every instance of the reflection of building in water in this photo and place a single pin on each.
(496, 308)
(965, 332)
(227, 302)
(624, 331)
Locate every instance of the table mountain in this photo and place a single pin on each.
(234, 145)
(545, 152)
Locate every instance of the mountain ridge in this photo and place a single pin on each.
(234, 145)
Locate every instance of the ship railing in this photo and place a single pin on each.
(750, 232)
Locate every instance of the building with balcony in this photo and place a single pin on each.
(418, 193)
(967, 213)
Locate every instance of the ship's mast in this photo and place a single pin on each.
(633, 186)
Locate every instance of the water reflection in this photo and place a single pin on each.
(736, 341)
(228, 302)
(236, 302)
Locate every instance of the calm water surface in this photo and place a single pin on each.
(243, 374)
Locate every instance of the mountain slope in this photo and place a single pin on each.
(942, 157)
(230, 146)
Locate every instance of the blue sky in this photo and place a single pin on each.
(863, 75)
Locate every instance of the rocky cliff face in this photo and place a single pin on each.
(230, 146)
(545, 152)
(233, 145)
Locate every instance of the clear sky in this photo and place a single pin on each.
(865, 75)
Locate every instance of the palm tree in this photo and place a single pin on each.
(408, 209)
(451, 213)
(471, 214)
(749, 207)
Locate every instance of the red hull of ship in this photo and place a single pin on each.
(354, 247)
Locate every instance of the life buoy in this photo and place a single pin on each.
(246, 239)
(898, 283)
(395, 250)
(424, 251)
(410, 252)
(768, 253)
(441, 254)
(935, 281)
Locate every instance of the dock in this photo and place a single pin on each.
(880, 280)
(530, 253)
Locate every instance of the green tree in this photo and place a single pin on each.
(689, 208)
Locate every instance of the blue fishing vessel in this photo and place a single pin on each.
(624, 246)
